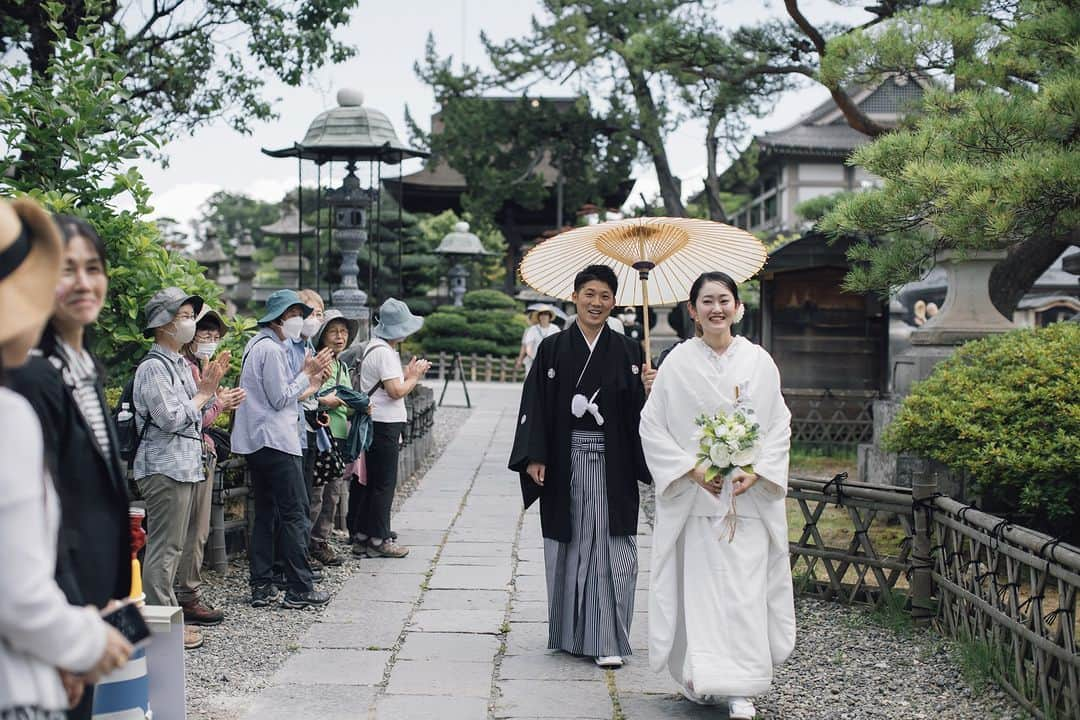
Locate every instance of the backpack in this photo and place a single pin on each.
(127, 435)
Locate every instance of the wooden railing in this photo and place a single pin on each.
(831, 419)
(1008, 590)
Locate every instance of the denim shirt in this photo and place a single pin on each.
(270, 414)
(172, 445)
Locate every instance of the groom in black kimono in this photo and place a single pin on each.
(578, 450)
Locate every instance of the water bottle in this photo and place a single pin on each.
(125, 413)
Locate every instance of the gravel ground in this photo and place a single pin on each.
(847, 666)
(850, 665)
(240, 655)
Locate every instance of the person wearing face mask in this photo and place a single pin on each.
(265, 431)
(168, 463)
(308, 404)
(209, 329)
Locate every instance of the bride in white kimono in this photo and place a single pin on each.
(721, 612)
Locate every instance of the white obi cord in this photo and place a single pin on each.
(579, 406)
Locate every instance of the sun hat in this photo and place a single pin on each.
(162, 308)
(353, 327)
(280, 301)
(30, 254)
(208, 316)
(396, 321)
(535, 310)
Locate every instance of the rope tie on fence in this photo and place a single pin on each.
(1051, 617)
(997, 533)
(982, 576)
(906, 542)
(928, 504)
(953, 555)
(838, 480)
(1047, 549)
(1021, 606)
(961, 514)
(1004, 588)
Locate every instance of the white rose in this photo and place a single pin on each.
(720, 456)
(743, 457)
(737, 431)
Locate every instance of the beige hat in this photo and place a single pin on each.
(207, 316)
(30, 256)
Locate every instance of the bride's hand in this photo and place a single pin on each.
(713, 486)
(741, 481)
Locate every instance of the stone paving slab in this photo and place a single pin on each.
(438, 599)
(667, 707)
(526, 638)
(440, 677)
(454, 647)
(347, 636)
(330, 702)
(366, 586)
(464, 621)
(553, 699)
(469, 577)
(550, 665)
(333, 667)
(523, 611)
(418, 707)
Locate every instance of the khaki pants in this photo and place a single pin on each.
(168, 514)
(189, 574)
(324, 500)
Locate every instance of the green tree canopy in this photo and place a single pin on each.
(992, 163)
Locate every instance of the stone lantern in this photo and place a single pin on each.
(246, 267)
(459, 245)
(349, 205)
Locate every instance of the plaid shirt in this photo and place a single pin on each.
(172, 445)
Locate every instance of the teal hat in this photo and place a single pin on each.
(396, 321)
(280, 301)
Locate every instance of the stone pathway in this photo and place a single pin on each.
(459, 628)
(458, 631)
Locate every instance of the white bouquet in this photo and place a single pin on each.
(728, 441)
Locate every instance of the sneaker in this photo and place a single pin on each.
(325, 555)
(280, 583)
(313, 563)
(740, 708)
(316, 576)
(387, 549)
(609, 661)
(297, 601)
(193, 637)
(359, 549)
(198, 612)
(263, 595)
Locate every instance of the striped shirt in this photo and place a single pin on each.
(80, 374)
(172, 445)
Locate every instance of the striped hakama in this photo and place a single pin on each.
(591, 579)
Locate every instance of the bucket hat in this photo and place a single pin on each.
(535, 310)
(396, 321)
(30, 255)
(208, 316)
(162, 308)
(280, 301)
(353, 326)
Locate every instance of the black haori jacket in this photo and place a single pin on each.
(545, 422)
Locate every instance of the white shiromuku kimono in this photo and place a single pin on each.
(721, 614)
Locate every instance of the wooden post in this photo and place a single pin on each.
(502, 369)
(475, 364)
(442, 365)
(923, 491)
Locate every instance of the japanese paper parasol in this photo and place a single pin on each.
(671, 252)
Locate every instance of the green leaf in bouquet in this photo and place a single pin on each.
(711, 473)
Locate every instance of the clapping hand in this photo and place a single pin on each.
(417, 368)
(317, 366)
(231, 398)
(214, 372)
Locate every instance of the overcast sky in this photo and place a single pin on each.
(389, 36)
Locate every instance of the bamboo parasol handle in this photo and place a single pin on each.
(643, 267)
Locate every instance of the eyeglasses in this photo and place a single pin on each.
(187, 316)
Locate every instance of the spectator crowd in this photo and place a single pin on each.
(76, 471)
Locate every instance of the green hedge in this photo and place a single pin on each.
(489, 323)
(1005, 410)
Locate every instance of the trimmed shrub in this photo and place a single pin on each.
(489, 323)
(1004, 409)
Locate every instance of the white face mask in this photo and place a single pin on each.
(184, 330)
(311, 326)
(293, 327)
(205, 350)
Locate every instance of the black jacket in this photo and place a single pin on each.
(544, 424)
(94, 545)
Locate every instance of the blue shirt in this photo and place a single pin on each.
(298, 350)
(270, 414)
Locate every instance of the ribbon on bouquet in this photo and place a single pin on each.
(579, 406)
(726, 520)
